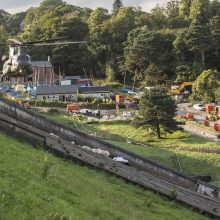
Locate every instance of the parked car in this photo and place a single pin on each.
(199, 107)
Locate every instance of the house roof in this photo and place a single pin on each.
(72, 77)
(47, 90)
(41, 64)
(95, 89)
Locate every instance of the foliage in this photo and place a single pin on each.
(184, 8)
(192, 150)
(151, 76)
(215, 29)
(181, 33)
(217, 94)
(198, 39)
(206, 85)
(157, 110)
(42, 103)
(102, 106)
(117, 5)
(110, 74)
(143, 48)
(186, 73)
(200, 10)
(3, 37)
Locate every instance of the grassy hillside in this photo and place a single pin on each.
(36, 185)
(163, 151)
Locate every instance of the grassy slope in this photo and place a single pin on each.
(72, 192)
(163, 151)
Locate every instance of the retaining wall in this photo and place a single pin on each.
(81, 138)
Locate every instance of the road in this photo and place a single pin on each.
(199, 116)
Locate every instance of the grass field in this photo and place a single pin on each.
(36, 185)
(163, 151)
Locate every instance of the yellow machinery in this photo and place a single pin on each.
(186, 86)
(212, 117)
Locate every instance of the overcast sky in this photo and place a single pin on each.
(13, 6)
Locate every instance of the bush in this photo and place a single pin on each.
(42, 103)
(102, 106)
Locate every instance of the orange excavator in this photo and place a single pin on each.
(185, 87)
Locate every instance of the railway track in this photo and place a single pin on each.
(67, 142)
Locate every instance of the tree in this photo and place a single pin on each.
(145, 47)
(157, 110)
(186, 73)
(117, 5)
(200, 10)
(215, 28)
(109, 36)
(3, 38)
(158, 18)
(199, 39)
(110, 73)
(217, 94)
(151, 76)
(206, 85)
(184, 8)
(215, 8)
(172, 9)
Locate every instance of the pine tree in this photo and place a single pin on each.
(215, 28)
(117, 5)
(184, 8)
(199, 38)
(200, 10)
(157, 110)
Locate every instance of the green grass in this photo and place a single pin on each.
(162, 151)
(37, 185)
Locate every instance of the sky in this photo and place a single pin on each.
(14, 6)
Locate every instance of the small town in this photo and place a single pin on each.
(110, 109)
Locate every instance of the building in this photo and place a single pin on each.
(84, 82)
(95, 92)
(57, 93)
(43, 73)
(70, 80)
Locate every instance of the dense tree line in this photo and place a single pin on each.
(177, 41)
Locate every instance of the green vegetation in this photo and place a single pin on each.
(190, 149)
(157, 110)
(205, 86)
(178, 34)
(36, 185)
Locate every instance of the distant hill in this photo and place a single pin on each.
(4, 14)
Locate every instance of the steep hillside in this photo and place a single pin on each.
(36, 185)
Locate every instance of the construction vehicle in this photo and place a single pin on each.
(217, 126)
(188, 116)
(213, 113)
(74, 107)
(184, 88)
(119, 98)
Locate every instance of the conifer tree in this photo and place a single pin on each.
(199, 39)
(117, 5)
(157, 110)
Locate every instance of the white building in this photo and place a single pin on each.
(57, 93)
(95, 92)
